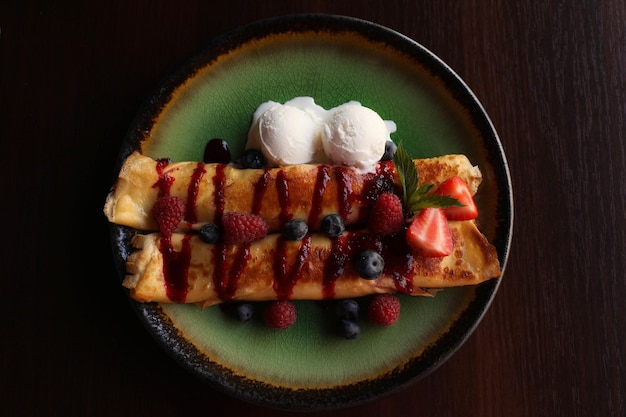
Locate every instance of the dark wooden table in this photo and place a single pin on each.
(552, 76)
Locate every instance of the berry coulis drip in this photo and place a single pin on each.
(175, 264)
(259, 191)
(286, 278)
(322, 179)
(191, 214)
(165, 181)
(345, 196)
(282, 186)
(226, 279)
(176, 267)
(219, 180)
(335, 265)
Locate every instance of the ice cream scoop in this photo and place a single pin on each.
(354, 135)
(287, 134)
(300, 131)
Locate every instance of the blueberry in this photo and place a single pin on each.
(369, 264)
(390, 151)
(244, 311)
(253, 158)
(348, 329)
(209, 233)
(295, 230)
(347, 309)
(333, 225)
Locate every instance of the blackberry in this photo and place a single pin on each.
(209, 233)
(390, 151)
(217, 151)
(333, 225)
(347, 309)
(253, 158)
(369, 264)
(295, 230)
(348, 329)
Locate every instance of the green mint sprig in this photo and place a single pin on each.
(416, 197)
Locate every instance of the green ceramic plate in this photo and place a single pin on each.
(332, 59)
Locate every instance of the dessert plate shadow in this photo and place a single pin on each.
(333, 59)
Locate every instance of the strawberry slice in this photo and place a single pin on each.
(455, 187)
(429, 233)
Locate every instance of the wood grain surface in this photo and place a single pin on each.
(551, 75)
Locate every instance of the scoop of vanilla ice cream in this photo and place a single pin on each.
(354, 135)
(286, 134)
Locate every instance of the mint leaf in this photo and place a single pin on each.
(406, 171)
(416, 197)
(436, 201)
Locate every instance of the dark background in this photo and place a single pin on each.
(551, 75)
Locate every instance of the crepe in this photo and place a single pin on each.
(307, 192)
(181, 268)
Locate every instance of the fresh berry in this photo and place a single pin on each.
(384, 309)
(333, 225)
(295, 230)
(168, 211)
(347, 309)
(387, 215)
(456, 187)
(390, 151)
(348, 329)
(217, 151)
(243, 228)
(209, 233)
(429, 233)
(253, 158)
(280, 314)
(369, 264)
(244, 311)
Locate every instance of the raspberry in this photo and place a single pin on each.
(384, 309)
(280, 314)
(387, 216)
(168, 211)
(243, 228)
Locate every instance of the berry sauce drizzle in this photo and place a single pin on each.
(259, 191)
(286, 278)
(176, 267)
(175, 264)
(230, 264)
(282, 185)
(165, 181)
(323, 176)
(191, 214)
(225, 279)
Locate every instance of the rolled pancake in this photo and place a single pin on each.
(305, 192)
(183, 269)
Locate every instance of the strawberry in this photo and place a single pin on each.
(384, 309)
(280, 314)
(243, 228)
(429, 233)
(455, 187)
(386, 217)
(168, 211)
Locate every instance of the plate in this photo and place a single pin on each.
(333, 59)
